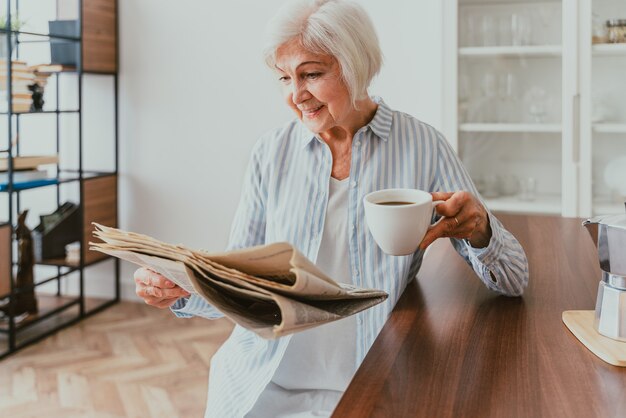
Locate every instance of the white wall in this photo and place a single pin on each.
(195, 95)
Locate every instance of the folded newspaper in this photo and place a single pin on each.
(272, 290)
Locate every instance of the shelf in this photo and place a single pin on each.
(607, 50)
(40, 112)
(97, 50)
(511, 51)
(43, 35)
(510, 127)
(6, 293)
(607, 207)
(61, 262)
(33, 184)
(610, 128)
(48, 306)
(543, 204)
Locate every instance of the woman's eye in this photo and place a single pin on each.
(313, 76)
(283, 79)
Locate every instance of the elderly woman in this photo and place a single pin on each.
(305, 184)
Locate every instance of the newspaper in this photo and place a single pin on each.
(272, 290)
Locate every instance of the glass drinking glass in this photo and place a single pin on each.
(488, 30)
(537, 104)
(520, 29)
(507, 93)
(528, 189)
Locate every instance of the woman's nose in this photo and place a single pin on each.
(299, 93)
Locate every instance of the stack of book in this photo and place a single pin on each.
(22, 77)
(43, 71)
(28, 171)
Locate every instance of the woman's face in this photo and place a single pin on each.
(313, 88)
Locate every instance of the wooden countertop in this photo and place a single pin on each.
(453, 348)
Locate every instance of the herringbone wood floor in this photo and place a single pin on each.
(130, 360)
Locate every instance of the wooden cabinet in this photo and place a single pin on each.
(99, 205)
(99, 19)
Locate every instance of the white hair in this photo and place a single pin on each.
(338, 28)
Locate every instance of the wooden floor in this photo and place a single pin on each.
(131, 360)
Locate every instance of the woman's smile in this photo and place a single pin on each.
(312, 113)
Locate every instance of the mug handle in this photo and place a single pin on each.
(435, 203)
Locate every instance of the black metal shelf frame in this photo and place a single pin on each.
(78, 175)
(59, 327)
(40, 112)
(59, 275)
(39, 34)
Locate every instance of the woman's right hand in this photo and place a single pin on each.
(157, 290)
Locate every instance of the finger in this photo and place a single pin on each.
(443, 228)
(441, 195)
(454, 204)
(159, 302)
(176, 292)
(455, 227)
(144, 291)
(147, 276)
(142, 275)
(166, 303)
(152, 278)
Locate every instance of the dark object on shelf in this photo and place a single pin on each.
(63, 51)
(56, 230)
(37, 96)
(24, 301)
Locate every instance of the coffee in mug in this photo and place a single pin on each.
(398, 218)
(394, 203)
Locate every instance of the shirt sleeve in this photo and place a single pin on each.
(247, 230)
(195, 306)
(502, 265)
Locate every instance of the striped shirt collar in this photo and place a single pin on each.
(380, 123)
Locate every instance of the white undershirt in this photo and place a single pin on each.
(318, 363)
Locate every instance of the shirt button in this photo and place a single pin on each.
(359, 321)
(358, 143)
(352, 227)
(353, 184)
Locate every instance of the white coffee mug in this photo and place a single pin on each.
(398, 218)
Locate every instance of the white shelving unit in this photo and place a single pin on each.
(602, 113)
(609, 50)
(510, 127)
(609, 128)
(527, 96)
(546, 204)
(512, 51)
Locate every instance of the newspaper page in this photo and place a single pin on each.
(272, 290)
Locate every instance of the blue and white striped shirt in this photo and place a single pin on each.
(284, 199)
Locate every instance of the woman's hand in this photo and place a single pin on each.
(156, 290)
(465, 218)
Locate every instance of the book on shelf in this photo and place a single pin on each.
(21, 96)
(28, 162)
(17, 85)
(21, 176)
(51, 68)
(17, 106)
(14, 64)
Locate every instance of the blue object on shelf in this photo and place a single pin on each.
(64, 52)
(28, 184)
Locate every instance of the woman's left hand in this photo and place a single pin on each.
(465, 217)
